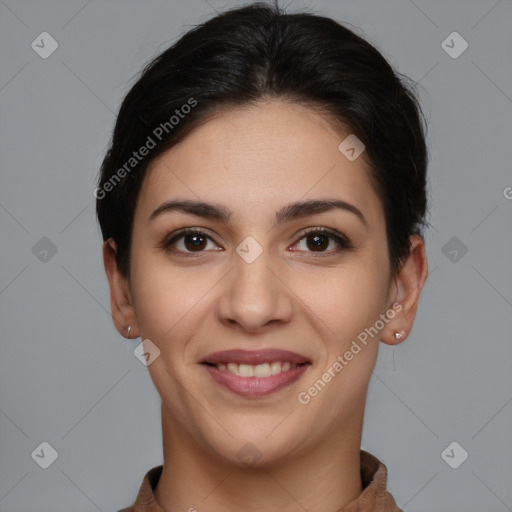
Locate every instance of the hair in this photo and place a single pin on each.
(255, 53)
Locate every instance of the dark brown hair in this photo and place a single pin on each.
(248, 54)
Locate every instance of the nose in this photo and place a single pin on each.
(255, 295)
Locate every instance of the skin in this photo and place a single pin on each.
(253, 161)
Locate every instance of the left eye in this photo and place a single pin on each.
(318, 238)
(195, 241)
(195, 238)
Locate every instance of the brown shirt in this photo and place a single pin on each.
(374, 497)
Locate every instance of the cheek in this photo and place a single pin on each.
(168, 300)
(343, 301)
(349, 305)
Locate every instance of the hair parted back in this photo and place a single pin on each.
(255, 53)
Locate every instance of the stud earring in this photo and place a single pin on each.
(129, 329)
(399, 335)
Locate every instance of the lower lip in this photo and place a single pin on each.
(255, 386)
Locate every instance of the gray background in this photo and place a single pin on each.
(68, 378)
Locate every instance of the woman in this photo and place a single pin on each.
(262, 205)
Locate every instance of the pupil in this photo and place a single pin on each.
(198, 243)
(317, 238)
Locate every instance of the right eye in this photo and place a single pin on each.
(192, 241)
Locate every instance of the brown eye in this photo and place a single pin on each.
(194, 241)
(187, 241)
(318, 240)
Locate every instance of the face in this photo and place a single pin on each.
(264, 278)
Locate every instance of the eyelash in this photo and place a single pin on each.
(343, 243)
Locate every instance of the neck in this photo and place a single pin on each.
(325, 477)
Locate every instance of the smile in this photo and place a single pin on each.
(255, 373)
(260, 370)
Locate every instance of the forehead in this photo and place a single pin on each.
(259, 157)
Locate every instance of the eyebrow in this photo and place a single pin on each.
(286, 214)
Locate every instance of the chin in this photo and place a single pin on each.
(247, 449)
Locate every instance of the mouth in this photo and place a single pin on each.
(262, 370)
(255, 373)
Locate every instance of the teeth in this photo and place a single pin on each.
(259, 370)
(246, 370)
(233, 368)
(262, 370)
(275, 368)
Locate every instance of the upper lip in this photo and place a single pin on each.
(254, 357)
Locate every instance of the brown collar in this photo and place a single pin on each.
(374, 497)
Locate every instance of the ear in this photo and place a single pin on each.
(408, 285)
(121, 304)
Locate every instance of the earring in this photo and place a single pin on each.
(399, 335)
(129, 329)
